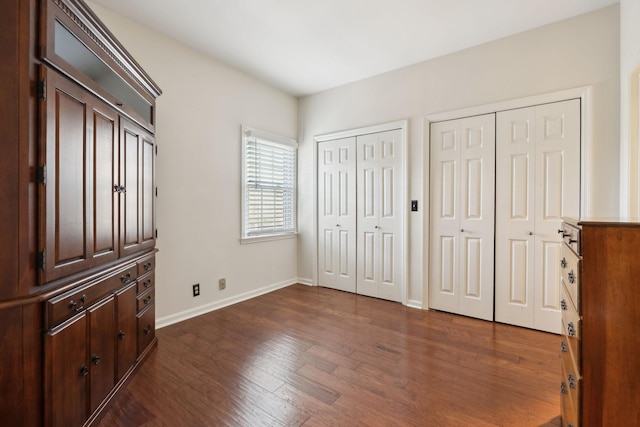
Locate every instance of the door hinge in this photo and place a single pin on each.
(41, 261)
(42, 89)
(156, 233)
(156, 191)
(156, 150)
(42, 174)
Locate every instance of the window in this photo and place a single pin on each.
(269, 185)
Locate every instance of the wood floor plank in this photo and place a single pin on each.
(310, 356)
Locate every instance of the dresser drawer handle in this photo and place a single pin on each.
(72, 305)
(563, 305)
(572, 241)
(572, 277)
(125, 277)
(563, 347)
(572, 381)
(147, 283)
(147, 266)
(147, 330)
(563, 388)
(95, 359)
(563, 262)
(147, 300)
(121, 335)
(571, 329)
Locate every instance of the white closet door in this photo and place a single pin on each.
(462, 216)
(337, 214)
(380, 201)
(538, 182)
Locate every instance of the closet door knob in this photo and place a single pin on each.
(338, 225)
(462, 230)
(531, 233)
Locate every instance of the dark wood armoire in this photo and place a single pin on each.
(77, 213)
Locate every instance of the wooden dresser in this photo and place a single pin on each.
(77, 214)
(600, 301)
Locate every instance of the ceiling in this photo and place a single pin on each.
(307, 46)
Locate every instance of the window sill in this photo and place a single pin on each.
(267, 238)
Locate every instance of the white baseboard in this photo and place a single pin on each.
(414, 304)
(308, 282)
(216, 305)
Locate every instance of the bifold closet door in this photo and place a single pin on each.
(337, 214)
(538, 182)
(380, 209)
(462, 216)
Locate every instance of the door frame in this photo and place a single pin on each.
(584, 93)
(383, 127)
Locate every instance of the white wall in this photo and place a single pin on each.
(199, 170)
(629, 61)
(578, 52)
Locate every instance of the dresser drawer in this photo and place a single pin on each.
(146, 328)
(571, 270)
(570, 406)
(572, 236)
(146, 265)
(146, 282)
(146, 299)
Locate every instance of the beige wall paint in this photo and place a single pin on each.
(578, 52)
(629, 153)
(198, 171)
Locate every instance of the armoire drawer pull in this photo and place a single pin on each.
(95, 359)
(121, 335)
(147, 330)
(571, 330)
(563, 388)
(84, 371)
(572, 277)
(563, 262)
(563, 305)
(563, 347)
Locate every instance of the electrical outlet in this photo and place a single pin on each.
(222, 284)
(196, 289)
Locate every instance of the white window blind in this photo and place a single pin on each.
(269, 184)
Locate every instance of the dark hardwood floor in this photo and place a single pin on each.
(318, 357)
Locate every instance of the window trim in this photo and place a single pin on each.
(271, 139)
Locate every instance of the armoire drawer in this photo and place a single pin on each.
(146, 328)
(146, 299)
(146, 282)
(69, 303)
(146, 265)
(571, 275)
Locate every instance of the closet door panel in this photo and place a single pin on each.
(558, 195)
(337, 214)
(462, 216)
(538, 155)
(444, 216)
(380, 252)
(515, 216)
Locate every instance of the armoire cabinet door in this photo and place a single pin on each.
(78, 204)
(101, 319)
(66, 373)
(462, 216)
(137, 176)
(126, 309)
